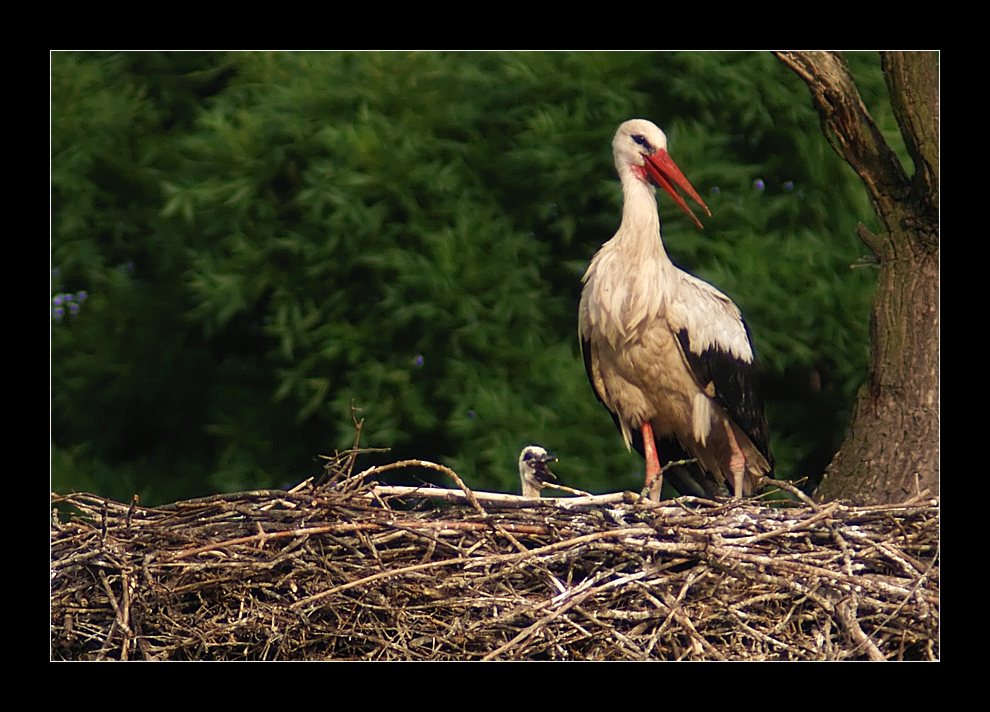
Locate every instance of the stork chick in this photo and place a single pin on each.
(668, 354)
(534, 470)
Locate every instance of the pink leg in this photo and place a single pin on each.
(654, 476)
(737, 463)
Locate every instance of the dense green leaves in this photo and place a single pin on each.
(266, 239)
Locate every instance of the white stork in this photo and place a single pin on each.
(534, 470)
(668, 354)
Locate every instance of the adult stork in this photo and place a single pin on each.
(668, 354)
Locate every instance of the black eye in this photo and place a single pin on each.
(641, 140)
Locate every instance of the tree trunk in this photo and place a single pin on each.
(892, 447)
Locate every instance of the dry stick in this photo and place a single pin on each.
(504, 532)
(535, 529)
(427, 465)
(519, 528)
(576, 597)
(846, 613)
(92, 503)
(846, 610)
(685, 622)
(907, 598)
(470, 497)
(130, 510)
(498, 499)
(911, 568)
(585, 634)
(119, 620)
(434, 540)
(375, 577)
(760, 635)
(352, 455)
(328, 529)
(103, 523)
(565, 488)
(622, 638)
(530, 630)
(840, 611)
(796, 526)
(378, 500)
(501, 500)
(125, 586)
(302, 485)
(777, 582)
(334, 461)
(590, 583)
(565, 544)
(370, 546)
(812, 570)
(914, 502)
(471, 562)
(783, 621)
(678, 463)
(788, 487)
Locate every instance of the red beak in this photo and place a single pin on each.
(662, 170)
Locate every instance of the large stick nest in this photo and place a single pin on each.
(352, 570)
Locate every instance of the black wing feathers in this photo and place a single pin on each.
(735, 389)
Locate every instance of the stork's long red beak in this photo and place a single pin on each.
(662, 170)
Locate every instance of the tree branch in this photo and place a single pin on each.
(913, 81)
(849, 127)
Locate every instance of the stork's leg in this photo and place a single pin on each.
(737, 464)
(654, 476)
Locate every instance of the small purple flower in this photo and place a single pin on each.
(58, 313)
(418, 361)
(716, 190)
(57, 299)
(82, 296)
(73, 308)
(759, 185)
(788, 185)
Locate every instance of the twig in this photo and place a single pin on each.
(375, 577)
(267, 536)
(427, 465)
(846, 613)
(788, 487)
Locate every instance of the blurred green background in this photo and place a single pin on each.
(244, 244)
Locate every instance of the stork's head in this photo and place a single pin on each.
(534, 470)
(640, 148)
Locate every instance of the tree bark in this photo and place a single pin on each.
(892, 447)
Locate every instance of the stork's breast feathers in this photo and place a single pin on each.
(617, 304)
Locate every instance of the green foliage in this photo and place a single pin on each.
(265, 239)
